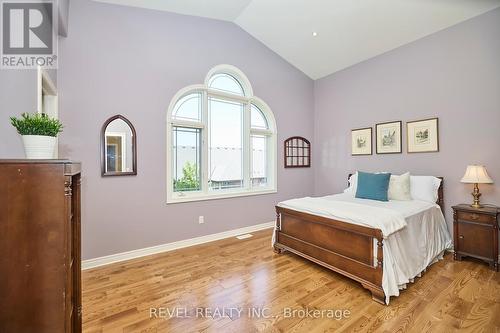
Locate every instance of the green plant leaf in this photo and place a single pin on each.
(36, 124)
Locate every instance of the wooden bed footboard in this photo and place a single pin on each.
(343, 247)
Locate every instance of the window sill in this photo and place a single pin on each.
(203, 197)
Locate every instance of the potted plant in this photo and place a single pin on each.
(39, 134)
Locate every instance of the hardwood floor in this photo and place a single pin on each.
(246, 274)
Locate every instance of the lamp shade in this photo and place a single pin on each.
(476, 174)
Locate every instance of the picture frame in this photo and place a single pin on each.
(361, 141)
(422, 136)
(389, 137)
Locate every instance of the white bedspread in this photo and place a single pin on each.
(415, 232)
(387, 220)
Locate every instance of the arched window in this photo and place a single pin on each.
(188, 107)
(221, 140)
(226, 82)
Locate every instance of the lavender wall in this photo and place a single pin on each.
(132, 61)
(18, 94)
(453, 74)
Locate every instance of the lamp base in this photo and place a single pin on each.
(476, 195)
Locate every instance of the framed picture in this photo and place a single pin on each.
(423, 135)
(361, 141)
(389, 137)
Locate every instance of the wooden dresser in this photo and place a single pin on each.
(40, 260)
(476, 233)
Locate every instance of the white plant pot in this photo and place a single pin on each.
(39, 146)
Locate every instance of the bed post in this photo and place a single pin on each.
(377, 295)
(276, 248)
(377, 292)
(380, 252)
(440, 200)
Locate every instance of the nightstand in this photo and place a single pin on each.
(475, 233)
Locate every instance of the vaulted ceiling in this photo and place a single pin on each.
(320, 37)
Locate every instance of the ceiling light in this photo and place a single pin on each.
(314, 33)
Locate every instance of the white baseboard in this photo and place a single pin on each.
(113, 258)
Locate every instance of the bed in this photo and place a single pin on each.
(382, 245)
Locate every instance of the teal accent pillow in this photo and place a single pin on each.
(373, 186)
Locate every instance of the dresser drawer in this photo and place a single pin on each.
(475, 239)
(475, 217)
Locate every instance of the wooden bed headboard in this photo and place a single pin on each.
(440, 200)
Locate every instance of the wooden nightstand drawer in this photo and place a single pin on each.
(475, 217)
(474, 239)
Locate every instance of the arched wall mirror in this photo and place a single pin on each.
(118, 147)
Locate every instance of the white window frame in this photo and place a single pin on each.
(248, 99)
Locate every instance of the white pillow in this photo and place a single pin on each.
(353, 184)
(399, 187)
(425, 188)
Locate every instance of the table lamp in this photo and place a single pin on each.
(476, 174)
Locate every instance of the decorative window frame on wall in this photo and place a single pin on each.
(203, 124)
(297, 152)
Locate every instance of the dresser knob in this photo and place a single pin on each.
(461, 236)
(474, 216)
